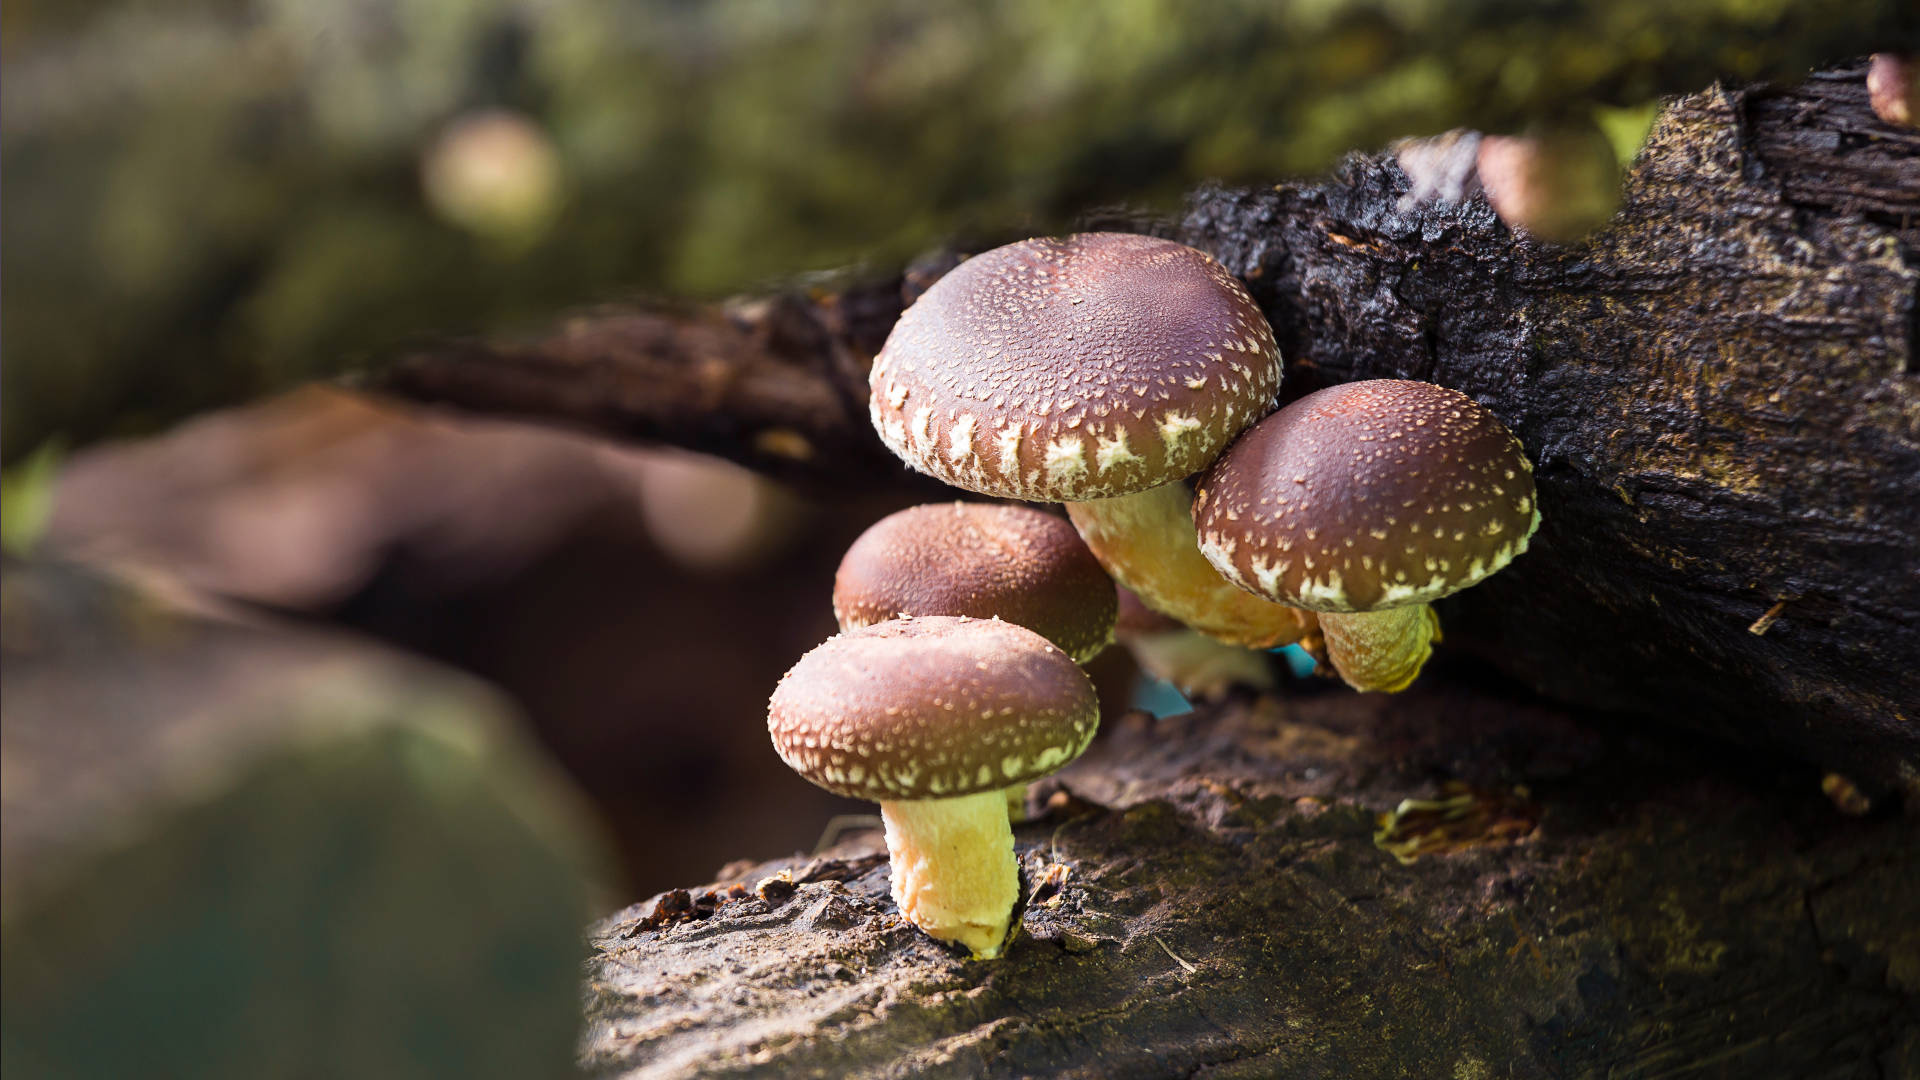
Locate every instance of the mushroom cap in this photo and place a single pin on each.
(931, 708)
(1008, 562)
(1367, 496)
(1062, 370)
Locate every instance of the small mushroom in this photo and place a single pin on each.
(934, 718)
(1364, 503)
(990, 562)
(1893, 90)
(1558, 185)
(1097, 370)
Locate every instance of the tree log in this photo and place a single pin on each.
(779, 385)
(1211, 896)
(1721, 391)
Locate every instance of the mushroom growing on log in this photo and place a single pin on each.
(934, 718)
(1364, 503)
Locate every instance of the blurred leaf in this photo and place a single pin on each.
(1626, 128)
(26, 498)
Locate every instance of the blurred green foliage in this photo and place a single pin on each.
(254, 850)
(208, 198)
(26, 498)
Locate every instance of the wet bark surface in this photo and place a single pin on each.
(1212, 895)
(1720, 390)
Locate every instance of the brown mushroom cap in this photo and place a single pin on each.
(931, 708)
(1366, 496)
(1007, 562)
(1062, 370)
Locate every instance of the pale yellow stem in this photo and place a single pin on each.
(1380, 650)
(1197, 665)
(954, 874)
(1148, 543)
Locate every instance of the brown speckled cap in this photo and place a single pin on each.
(1063, 370)
(931, 708)
(1008, 562)
(1366, 496)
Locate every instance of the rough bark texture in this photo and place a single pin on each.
(1207, 898)
(779, 385)
(1721, 391)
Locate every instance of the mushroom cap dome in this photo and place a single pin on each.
(931, 708)
(1366, 496)
(1084, 367)
(1009, 562)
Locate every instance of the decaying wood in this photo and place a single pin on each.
(778, 385)
(1721, 391)
(1209, 896)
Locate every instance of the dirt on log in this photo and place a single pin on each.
(1721, 390)
(1212, 895)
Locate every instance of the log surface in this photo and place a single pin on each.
(1207, 899)
(1721, 391)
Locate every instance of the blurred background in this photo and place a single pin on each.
(218, 217)
(637, 605)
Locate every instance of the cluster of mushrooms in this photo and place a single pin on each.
(1106, 371)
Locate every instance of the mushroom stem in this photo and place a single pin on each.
(954, 875)
(1148, 543)
(1199, 666)
(1016, 803)
(1380, 650)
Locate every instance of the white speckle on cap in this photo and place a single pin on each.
(1113, 335)
(1328, 529)
(1114, 452)
(931, 707)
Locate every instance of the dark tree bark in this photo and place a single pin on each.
(1721, 392)
(778, 385)
(1210, 897)
(1720, 389)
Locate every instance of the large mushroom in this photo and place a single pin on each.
(1097, 370)
(933, 718)
(986, 561)
(1366, 502)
